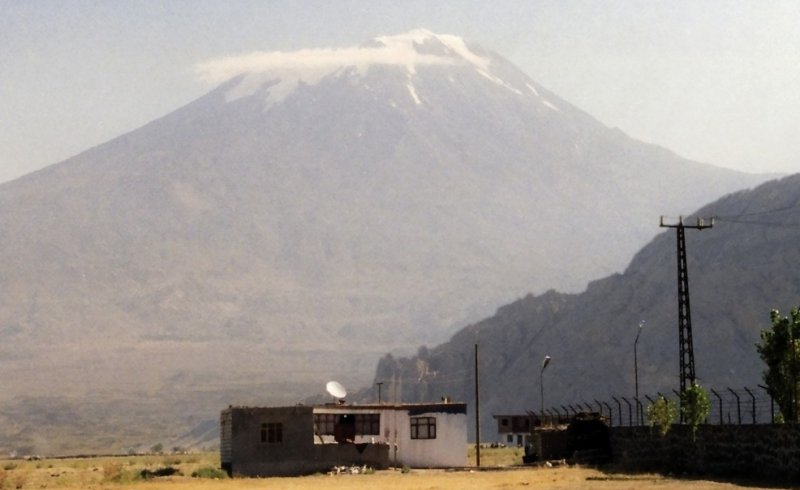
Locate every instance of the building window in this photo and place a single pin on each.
(368, 424)
(423, 427)
(510, 438)
(272, 433)
(324, 423)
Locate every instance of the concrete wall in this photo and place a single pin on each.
(762, 451)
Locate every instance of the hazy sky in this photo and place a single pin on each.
(716, 81)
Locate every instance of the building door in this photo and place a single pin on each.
(345, 429)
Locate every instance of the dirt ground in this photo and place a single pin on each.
(91, 476)
(500, 471)
(538, 478)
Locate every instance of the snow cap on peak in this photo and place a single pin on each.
(411, 49)
(277, 74)
(443, 45)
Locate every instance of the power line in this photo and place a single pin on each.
(738, 218)
(760, 223)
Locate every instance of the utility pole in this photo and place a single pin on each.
(636, 360)
(380, 384)
(477, 414)
(636, 370)
(684, 312)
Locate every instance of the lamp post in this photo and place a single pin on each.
(545, 362)
(639, 414)
(636, 360)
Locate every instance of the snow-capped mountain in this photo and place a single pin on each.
(314, 211)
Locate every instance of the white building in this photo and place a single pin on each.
(419, 435)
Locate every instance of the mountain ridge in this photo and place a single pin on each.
(738, 271)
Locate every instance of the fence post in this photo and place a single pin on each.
(550, 414)
(639, 411)
(652, 402)
(721, 421)
(680, 404)
(771, 405)
(558, 413)
(738, 406)
(753, 398)
(619, 406)
(630, 411)
(610, 414)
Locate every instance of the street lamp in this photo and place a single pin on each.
(545, 362)
(636, 360)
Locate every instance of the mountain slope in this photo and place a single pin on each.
(738, 271)
(296, 223)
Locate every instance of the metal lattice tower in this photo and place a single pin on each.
(686, 348)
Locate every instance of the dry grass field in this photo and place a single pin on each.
(123, 473)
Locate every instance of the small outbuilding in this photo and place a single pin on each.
(273, 441)
(515, 429)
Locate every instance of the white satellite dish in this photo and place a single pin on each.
(336, 389)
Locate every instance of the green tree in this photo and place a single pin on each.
(662, 413)
(780, 351)
(695, 406)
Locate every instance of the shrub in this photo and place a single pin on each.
(662, 413)
(210, 472)
(166, 471)
(405, 469)
(695, 406)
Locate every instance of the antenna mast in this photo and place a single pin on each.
(684, 312)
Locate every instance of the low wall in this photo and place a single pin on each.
(762, 451)
(322, 457)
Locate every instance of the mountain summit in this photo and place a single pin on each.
(278, 74)
(314, 211)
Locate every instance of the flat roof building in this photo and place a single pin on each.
(272, 441)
